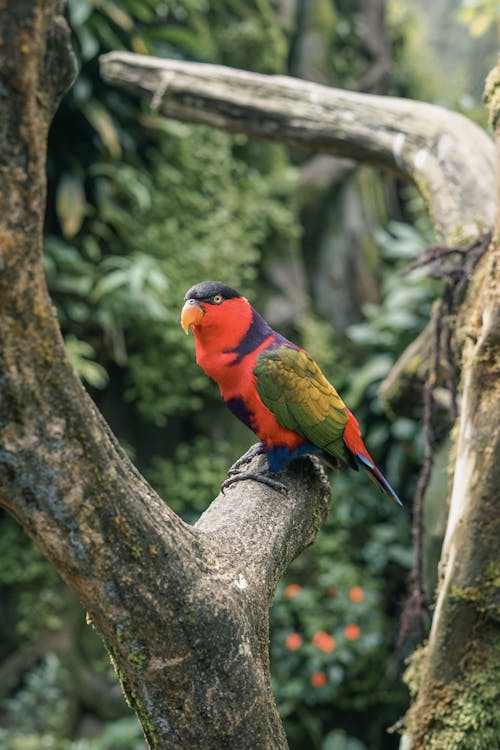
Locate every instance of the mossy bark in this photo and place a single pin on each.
(456, 677)
(182, 610)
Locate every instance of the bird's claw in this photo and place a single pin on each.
(236, 475)
(255, 450)
(262, 478)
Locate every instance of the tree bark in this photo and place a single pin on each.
(454, 678)
(182, 610)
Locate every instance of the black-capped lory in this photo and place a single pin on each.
(273, 386)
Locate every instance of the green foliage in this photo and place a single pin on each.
(123, 734)
(82, 356)
(29, 588)
(480, 15)
(42, 704)
(407, 30)
(193, 476)
(339, 740)
(389, 327)
(109, 294)
(249, 35)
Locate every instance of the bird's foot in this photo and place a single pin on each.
(262, 478)
(236, 475)
(255, 450)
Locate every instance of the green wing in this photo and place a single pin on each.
(292, 386)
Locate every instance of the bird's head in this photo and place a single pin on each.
(214, 308)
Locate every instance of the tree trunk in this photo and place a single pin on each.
(183, 610)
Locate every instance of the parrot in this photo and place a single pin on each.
(273, 386)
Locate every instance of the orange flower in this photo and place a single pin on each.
(293, 641)
(292, 590)
(356, 594)
(318, 679)
(352, 632)
(324, 641)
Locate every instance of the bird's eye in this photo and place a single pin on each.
(217, 299)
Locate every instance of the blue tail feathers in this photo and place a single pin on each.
(378, 478)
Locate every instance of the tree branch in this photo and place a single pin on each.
(440, 151)
(265, 526)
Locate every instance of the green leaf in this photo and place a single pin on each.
(339, 740)
(375, 369)
(101, 120)
(70, 204)
(119, 16)
(89, 44)
(79, 11)
(141, 11)
(82, 354)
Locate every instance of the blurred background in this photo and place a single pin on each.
(139, 208)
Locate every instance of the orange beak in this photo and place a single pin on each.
(191, 314)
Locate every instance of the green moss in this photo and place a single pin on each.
(134, 549)
(120, 635)
(469, 594)
(122, 528)
(470, 719)
(136, 659)
(483, 595)
(413, 671)
(462, 714)
(463, 234)
(132, 698)
(492, 574)
(318, 518)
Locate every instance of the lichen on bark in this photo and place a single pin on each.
(492, 96)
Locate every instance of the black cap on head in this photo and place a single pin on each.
(206, 289)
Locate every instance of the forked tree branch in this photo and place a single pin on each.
(183, 610)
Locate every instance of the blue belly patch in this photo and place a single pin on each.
(280, 456)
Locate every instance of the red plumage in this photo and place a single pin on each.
(272, 385)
